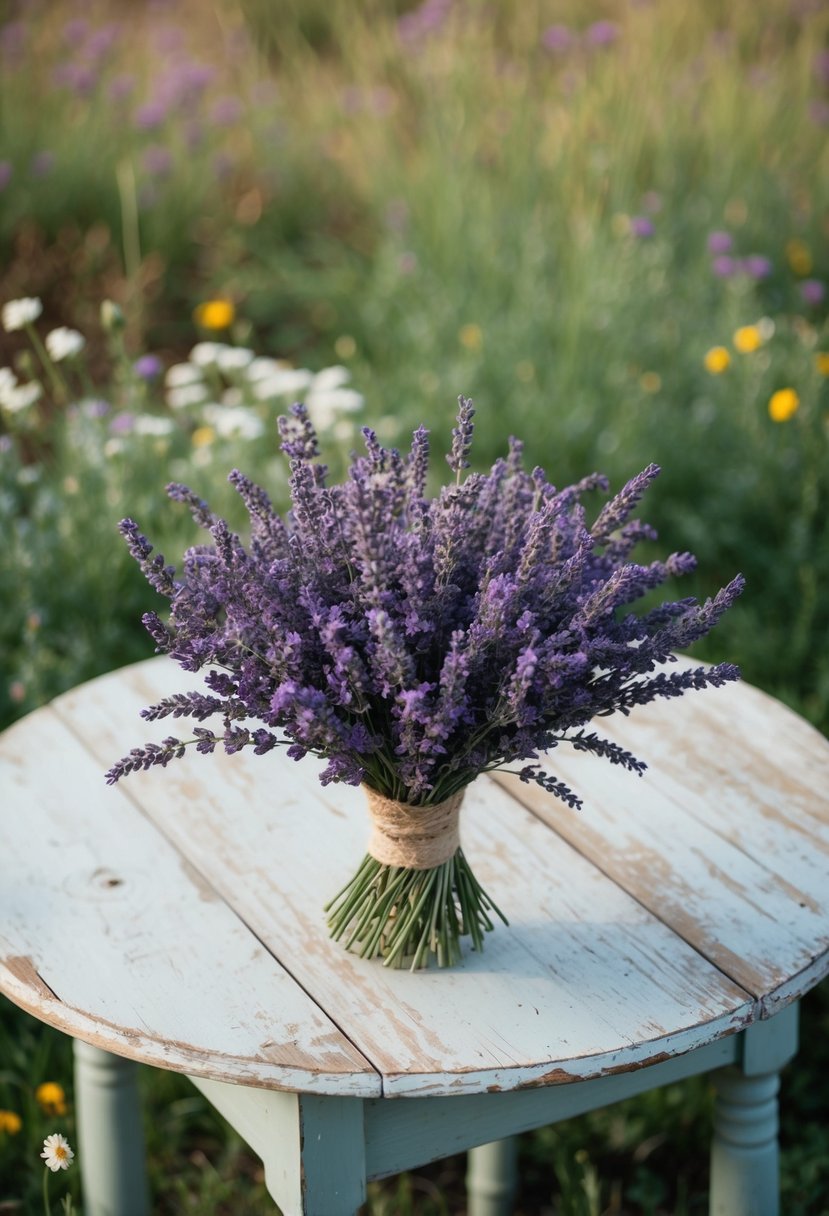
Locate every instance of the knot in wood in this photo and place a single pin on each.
(414, 837)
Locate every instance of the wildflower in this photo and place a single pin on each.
(650, 382)
(181, 374)
(233, 358)
(10, 1123)
(51, 1098)
(345, 347)
(720, 242)
(747, 339)
(280, 382)
(157, 160)
(601, 33)
(716, 360)
(234, 422)
(180, 397)
(63, 343)
(203, 436)
(641, 226)
(822, 362)
(152, 424)
(471, 336)
(150, 116)
(57, 1155)
(798, 256)
(557, 38)
(148, 367)
(215, 314)
(19, 313)
(21, 397)
(812, 291)
(724, 267)
(783, 404)
(756, 266)
(206, 354)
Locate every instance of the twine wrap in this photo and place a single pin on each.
(415, 837)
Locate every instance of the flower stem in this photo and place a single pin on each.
(46, 1205)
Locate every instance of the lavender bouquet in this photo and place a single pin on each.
(414, 643)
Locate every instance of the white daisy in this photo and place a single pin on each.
(183, 373)
(18, 313)
(20, 397)
(206, 354)
(262, 367)
(180, 397)
(284, 382)
(233, 358)
(234, 421)
(64, 343)
(152, 424)
(57, 1155)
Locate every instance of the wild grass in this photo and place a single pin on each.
(445, 199)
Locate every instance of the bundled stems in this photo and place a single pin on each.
(406, 916)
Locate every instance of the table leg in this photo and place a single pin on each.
(745, 1175)
(492, 1178)
(110, 1134)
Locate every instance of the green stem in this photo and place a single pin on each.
(58, 383)
(46, 1205)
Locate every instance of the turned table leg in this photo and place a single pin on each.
(110, 1135)
(745, 1175)
(492, 1178)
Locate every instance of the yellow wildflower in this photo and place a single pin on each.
(822, 362)
(215, 314)
(51, 1098)
(203, 436)
(798, 256)
(471, 336)
(783, 404)
(716, 360)
(10, 1122)
(345, 347)
(747, 339)
(650, 382)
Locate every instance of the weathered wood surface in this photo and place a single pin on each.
(661, 917)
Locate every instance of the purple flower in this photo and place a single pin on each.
(819, 112)
(602, 33)
(427, 19)
(75, 30)
(642, 226)
(756, 266)
(813, 292)
(558, 38)
(122, 424)
(413, 642)
(150, 116)
(6, 174)
(820, 67)
(148, 367)
(720, 242)
(724, 267)
(226, 110)
(13, 38)
(157, 160)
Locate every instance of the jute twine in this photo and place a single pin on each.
(416, 837)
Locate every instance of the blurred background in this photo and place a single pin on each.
(606, 222)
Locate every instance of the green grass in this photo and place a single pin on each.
(445, 215)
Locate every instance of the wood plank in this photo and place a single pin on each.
(106, 933)
(584, 982)
(726, 837)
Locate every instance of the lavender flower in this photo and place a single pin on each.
(415, 642)
(642, 226)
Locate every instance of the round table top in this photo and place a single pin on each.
(176, 918)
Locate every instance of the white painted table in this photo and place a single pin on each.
(667, 929)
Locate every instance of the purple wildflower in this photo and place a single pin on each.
(812, 292)
(121, 86)
(756, 266)
(602, 33)
(558, 38)
(720, 242)
(148, 367)
(724, 267)
(151, 115)
(642, 226)
(157, 160)
(415, 642)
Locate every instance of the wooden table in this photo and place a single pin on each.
(667, 929)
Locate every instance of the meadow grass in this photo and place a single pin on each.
(503, 201)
